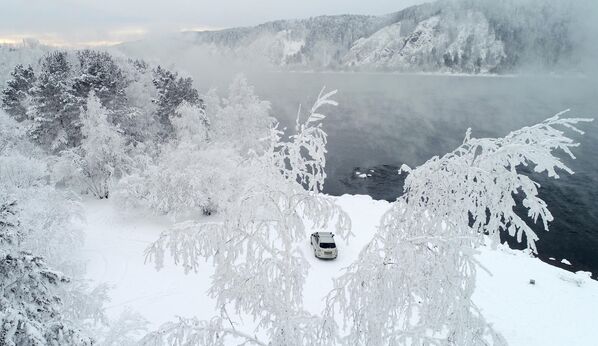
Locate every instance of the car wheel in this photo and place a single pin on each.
(315, 255)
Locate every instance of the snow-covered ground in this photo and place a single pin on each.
(561, 308)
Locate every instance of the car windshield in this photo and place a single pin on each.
(327, 245)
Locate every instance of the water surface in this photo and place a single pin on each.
(385, 120)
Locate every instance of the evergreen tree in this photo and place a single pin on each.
(17, 92)
(52, 97)
(100, 73)
(30, 308)
(172, 91)
(56, 119)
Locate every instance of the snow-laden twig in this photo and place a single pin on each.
(255, 249)
(430, 235)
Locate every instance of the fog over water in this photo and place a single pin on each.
(387, 119)
(391, 119)
(164, 164)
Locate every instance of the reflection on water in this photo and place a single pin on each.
(385, 120)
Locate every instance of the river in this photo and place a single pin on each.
(385, 120)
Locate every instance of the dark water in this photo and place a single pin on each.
(386, 120)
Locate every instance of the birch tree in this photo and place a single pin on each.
(413, 282)
(100, 158)
(259, 268)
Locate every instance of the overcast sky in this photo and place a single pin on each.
(92, 22)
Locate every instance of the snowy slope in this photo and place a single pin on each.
(114, 250)
(560, 309)
(461, 43)
(377, 49)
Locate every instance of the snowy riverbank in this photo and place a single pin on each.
(560, 309)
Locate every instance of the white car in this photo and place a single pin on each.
(324, 245)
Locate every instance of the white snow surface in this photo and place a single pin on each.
(560, 309)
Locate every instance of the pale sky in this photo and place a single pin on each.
(93, 22)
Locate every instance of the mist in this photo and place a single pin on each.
(183, 180)
(543, 37)
(406, 117)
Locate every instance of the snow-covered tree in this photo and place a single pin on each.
(259, 268)
(13, 135)
(55, 113)
(48, 218)
(242, 118)
(140, 100)
(140, 124)
(16, 97)
(185, 180)
(38, 240)
(99, 72)
(188, 174)
(202, 167)
(30, 308)
(101, 157)
(26, 53)
(39, 236)
(413, 282)
(84, 307)
(172, 91)
(191, 124)
(124, 331)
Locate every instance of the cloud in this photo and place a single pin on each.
(89, 22)
(80, 38)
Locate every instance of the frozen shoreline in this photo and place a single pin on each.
(559, 309)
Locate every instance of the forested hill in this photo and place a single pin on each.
(456, 36)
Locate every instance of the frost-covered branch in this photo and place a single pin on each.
(194, 332)
(413, 282)
(304, 157)
(202, 165)
(30, 306)
(100, 158)
(259, 267)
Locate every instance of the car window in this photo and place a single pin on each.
(327, 245)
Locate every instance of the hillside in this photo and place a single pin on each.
(455, 36)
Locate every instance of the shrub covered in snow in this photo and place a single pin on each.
(100, 158)
(203, 167)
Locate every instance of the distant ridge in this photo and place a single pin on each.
(465, 36)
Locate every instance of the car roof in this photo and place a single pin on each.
(325, 234)
(326, 237)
